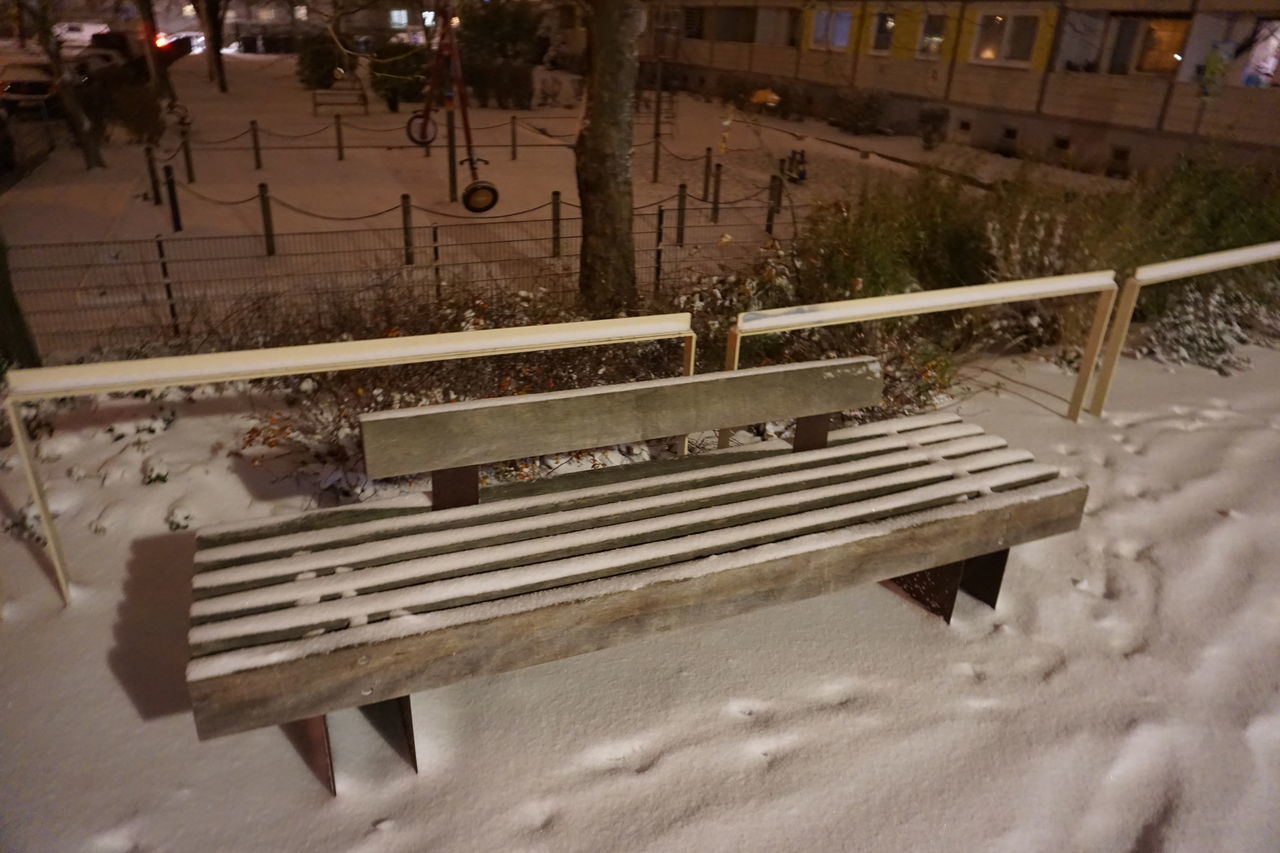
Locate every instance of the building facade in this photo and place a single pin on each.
(1082, 82)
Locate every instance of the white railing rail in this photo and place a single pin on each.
(48, 383)
(1158, 273)
(1101, 282)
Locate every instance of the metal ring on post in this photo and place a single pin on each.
(479, 196)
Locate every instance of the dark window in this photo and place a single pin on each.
(1062, 143)
(735, 23)
(931, 36)
(694, 21)
(882, 32)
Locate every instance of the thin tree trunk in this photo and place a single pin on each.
(160, 82)
(87, 134)
(607, 276)
(213, 20)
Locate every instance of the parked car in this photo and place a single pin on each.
(27, 86)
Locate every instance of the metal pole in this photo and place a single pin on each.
(706, 175)
(406, 221)
(775, 194)
(513, 138)
(657, 253)
(257, 148)
(435, 256)
(171, 187)
(555, 224)
(268, 230)
(682, 201)
(168, 286)
(715, 194)
(453, 154)
(185, 130)
(153, 175)
(337, 135)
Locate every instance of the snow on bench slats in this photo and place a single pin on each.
(468, 527)
(517, 580)
(273, 653)
(276, 547)
(43, 382)
(924, 302)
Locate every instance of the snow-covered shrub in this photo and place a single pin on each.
(154, 470)
(1204, 327)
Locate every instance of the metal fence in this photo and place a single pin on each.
(79, 298)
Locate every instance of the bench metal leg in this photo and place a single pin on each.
(310, 737)
(393, 720)
(451, 487)
(983, 575)
(933, 589)
(811, 433)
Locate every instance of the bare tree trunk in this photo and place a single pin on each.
(213, 13)
(607, 276)
(160, 82)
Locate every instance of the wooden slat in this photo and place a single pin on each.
(560, 560)
(288, 544)
(241, 690)
(416, 440)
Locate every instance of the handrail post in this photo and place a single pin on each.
(268, 229)
(23, 440)
(406, 223)
(257, 145)
(1115, 343)
(1089, 358)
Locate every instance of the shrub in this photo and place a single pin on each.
(399, 70)
(861, 113)
(318, 58)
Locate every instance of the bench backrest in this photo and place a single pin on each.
(430, 438)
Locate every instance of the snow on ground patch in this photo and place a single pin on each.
(1125, 695)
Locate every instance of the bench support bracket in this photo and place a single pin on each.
(310, 737)
(935, 589)
(983, 575)
(451, 487)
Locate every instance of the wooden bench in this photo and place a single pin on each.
(333, 609)
(346, 92)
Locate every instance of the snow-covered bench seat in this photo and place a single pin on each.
(296, 617)
(346, 92)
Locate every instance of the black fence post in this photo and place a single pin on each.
(185, 131)
(153, 175)
(268, 230)
(682, 202)
(406, 222)
(257, 147)
(337, 135)
(514, 145)
(16, 340)
(706, 175)
(168, 286)
(657, 253)
(435, 256)
(715, 194)
(451, 135)
(775, 202)
(555, 224)
(171, 187)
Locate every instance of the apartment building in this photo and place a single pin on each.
(1087, 82)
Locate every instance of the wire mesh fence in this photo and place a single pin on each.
(81, 299)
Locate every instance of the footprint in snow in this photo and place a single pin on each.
(765, 752)
(747, 710)
(633, 756)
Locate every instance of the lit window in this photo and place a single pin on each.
(882, 33)
(1162, 44)
(266, 15)
(399, 19)
(931, 36)
(1006, 38)
(300, 13)
(831, 29)
(428, 19)
(189, 11)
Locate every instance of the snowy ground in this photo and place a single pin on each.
(1125, 695)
